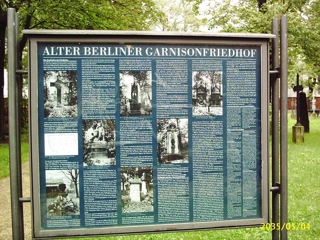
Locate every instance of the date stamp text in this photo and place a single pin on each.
(285, 226)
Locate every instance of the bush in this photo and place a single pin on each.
(23, 112)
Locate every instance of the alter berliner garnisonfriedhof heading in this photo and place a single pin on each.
(141, 132)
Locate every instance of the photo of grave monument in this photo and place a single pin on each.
(207, 93)
(62, 192)
(135, 93)
(137, 189)
(172, 140)
(60, 94)
(98, 142)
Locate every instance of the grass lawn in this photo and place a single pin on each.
(303, 196)
(4, 155)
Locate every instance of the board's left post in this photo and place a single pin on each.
(14, 129)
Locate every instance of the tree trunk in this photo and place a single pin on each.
(3, 26)
(75, 180)
(260, 3)
(77, 191)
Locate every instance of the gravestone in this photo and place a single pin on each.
(57, 85)
(298, 133)
(293, 108)
(135, 190)
(144, 187)
(314, 101)
(216, 95)
(201, 93)
(135, 102)
(98, 153)
(143, 184)
(172, 139)
(298, 128)
(304, 118)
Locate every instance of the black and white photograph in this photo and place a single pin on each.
(99, 142)
(60, 94)
(207, 93)
(172, 140)
(137, 189)
(135, 93)
(62, 192)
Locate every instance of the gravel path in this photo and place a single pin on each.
(5, 212)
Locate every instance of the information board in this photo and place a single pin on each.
(132, 135)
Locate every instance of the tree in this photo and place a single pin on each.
(76, 14)
(73, 175)
(179, 15)
(255, 16)
(310, 40)
(260, 4)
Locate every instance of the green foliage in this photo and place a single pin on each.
(80, 14)
(179, 15)
(310, 45)
(23, 114)
(303, 27)
(90, 14)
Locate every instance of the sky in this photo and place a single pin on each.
(5, 87)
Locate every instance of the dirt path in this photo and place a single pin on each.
(5, 206)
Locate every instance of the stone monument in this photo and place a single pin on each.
(303, 110)
(135, 189)
(215, 95)
(172, 139)
(314, 101)
(201, 93)
(135, 101)
(143, 183)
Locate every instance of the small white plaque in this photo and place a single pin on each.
(60, 144)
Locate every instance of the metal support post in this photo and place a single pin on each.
(19, 80)
(275, 128)
(14, 129)
(284, 127)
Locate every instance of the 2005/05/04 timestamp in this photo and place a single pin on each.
(287, 226)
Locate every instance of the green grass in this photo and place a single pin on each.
(4, 155)
(304, 181)
(4, 160)
(303, 195)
